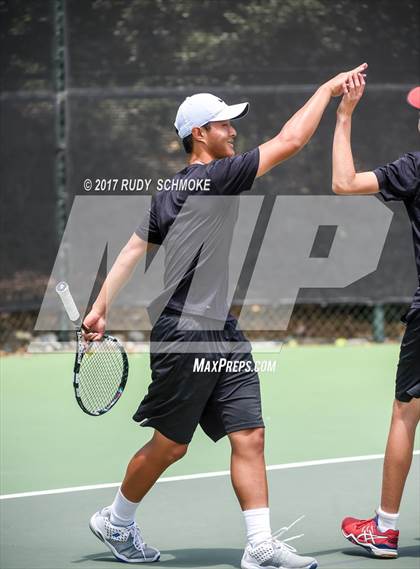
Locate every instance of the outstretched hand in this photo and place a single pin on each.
(353, 92)
(338, 83)
(95, 324)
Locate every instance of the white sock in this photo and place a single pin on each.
(387, 521)
(257, 525)
(122, 510)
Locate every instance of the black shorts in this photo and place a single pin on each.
(408, 374)
(222, 391)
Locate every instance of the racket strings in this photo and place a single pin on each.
(100, 376)
(102, 370)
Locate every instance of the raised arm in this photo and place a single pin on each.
(117, 277)
(301, 126)
(345, 179)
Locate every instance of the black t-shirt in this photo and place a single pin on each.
(400, 181)
(197, 232)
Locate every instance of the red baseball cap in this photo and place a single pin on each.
(413, 97)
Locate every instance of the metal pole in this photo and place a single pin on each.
(378, 323)
(60, 59)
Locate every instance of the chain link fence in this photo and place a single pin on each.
(310, 323)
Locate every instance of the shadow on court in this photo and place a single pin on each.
(183, 558)
(409, 551)
(98, 557)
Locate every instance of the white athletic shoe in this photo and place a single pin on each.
(126, 543)
(276, 554)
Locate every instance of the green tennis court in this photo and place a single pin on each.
(322, 404)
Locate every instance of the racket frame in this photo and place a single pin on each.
(80, 352)
(63, 291)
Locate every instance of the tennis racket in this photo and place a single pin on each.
(100, 367)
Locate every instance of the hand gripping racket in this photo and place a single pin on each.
(100, 367)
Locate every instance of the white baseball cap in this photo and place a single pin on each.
(202, 108)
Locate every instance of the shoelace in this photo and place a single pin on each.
(138, 541)
(369, 531)
(283, 530)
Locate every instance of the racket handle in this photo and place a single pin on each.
(63, 291)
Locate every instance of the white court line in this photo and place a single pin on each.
(201, 475)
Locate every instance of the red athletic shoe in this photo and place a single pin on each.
(367, 534)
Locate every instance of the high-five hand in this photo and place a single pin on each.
(338, 83)
(353, 92)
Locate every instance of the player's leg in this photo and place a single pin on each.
(399, 453)
(249, 480)
(115, 525)
(172, 406)
(248, 473)
(148, 464)
(379, 534)
(234, 408)
(405, 418)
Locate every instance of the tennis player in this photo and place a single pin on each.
(178, 400)
(399, 181)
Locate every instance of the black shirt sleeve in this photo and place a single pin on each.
(400, 180)
(148, 230)
(230, 176)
